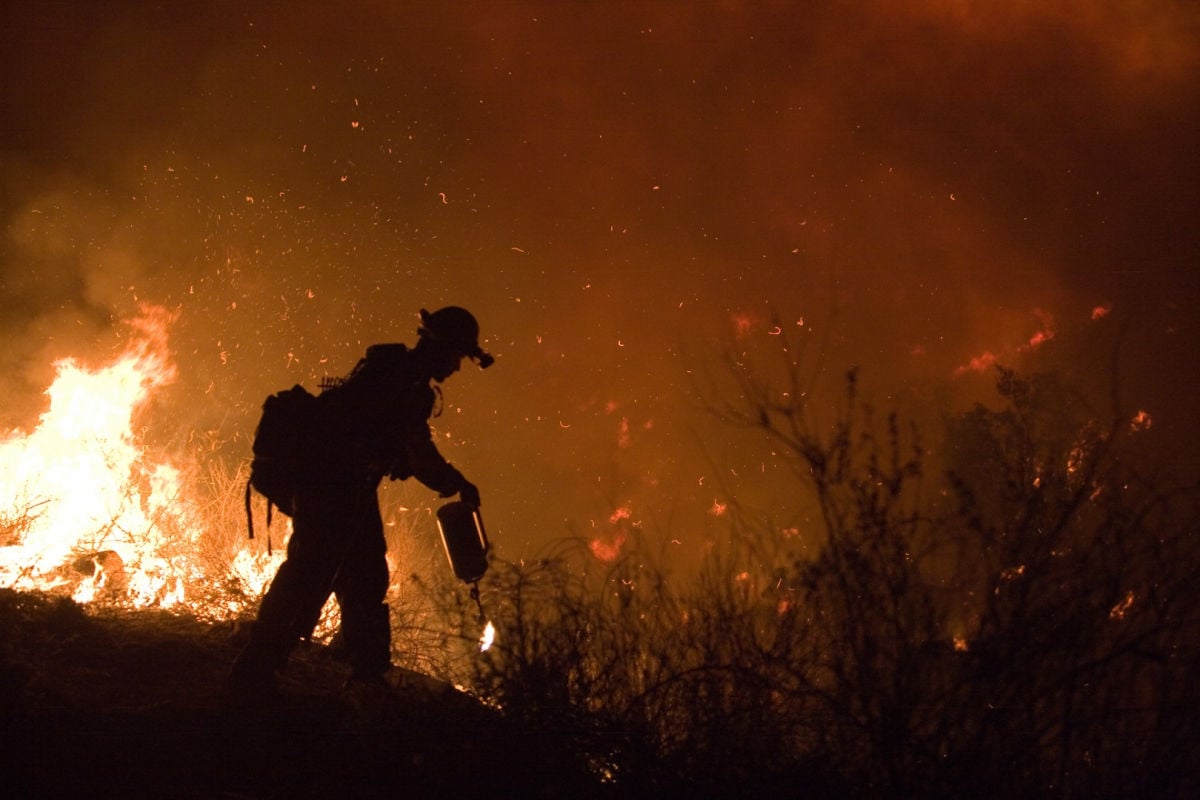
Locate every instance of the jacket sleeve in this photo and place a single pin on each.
(430, 468)
(419, 456)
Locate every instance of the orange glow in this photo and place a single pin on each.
(1122, 608)
(988, 358)
(607, 548)
(1100, 312)
(1012, 573)
(743, 324)
(1075, 459)
(622, 512)
(979, 363)
(623, 437)
(1141, 421)
(608, 551)
(1042, 336)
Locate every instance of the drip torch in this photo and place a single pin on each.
(466, 545)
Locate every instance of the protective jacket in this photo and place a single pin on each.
(378, 423)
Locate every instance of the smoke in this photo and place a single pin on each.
(609, 187)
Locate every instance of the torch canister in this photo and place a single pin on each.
(465, 540)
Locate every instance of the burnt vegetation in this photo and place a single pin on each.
(1018, 620)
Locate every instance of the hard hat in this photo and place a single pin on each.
(456, 328)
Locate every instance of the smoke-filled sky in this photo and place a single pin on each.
(619, 191)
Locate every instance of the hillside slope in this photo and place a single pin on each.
(131, 705)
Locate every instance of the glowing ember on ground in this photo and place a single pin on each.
(1122, 608)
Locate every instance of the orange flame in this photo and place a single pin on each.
(608, 548)
(1042, 336)
(85, 508)
(980, 363)
(487, 638)
(608, 551)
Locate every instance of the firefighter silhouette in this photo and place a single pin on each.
(374, 423)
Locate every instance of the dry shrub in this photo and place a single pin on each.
(1028, 626)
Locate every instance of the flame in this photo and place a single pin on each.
(980, 363)
(607, 548)
(89, 510)
(989, 358)
(488, 637)
(81, 486)
(1042, 336)
(608, 551)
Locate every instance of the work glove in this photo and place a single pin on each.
(469, 494)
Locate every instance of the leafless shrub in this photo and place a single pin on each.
(1025, 625)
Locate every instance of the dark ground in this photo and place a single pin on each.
(131, 705)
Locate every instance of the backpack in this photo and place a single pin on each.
(283, 450)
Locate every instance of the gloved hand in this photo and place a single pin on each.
(469, 494)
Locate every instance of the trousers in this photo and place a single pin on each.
(336, 547)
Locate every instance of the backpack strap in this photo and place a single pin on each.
(250, 519)
(249, 515)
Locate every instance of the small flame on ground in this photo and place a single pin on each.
(489, 636)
